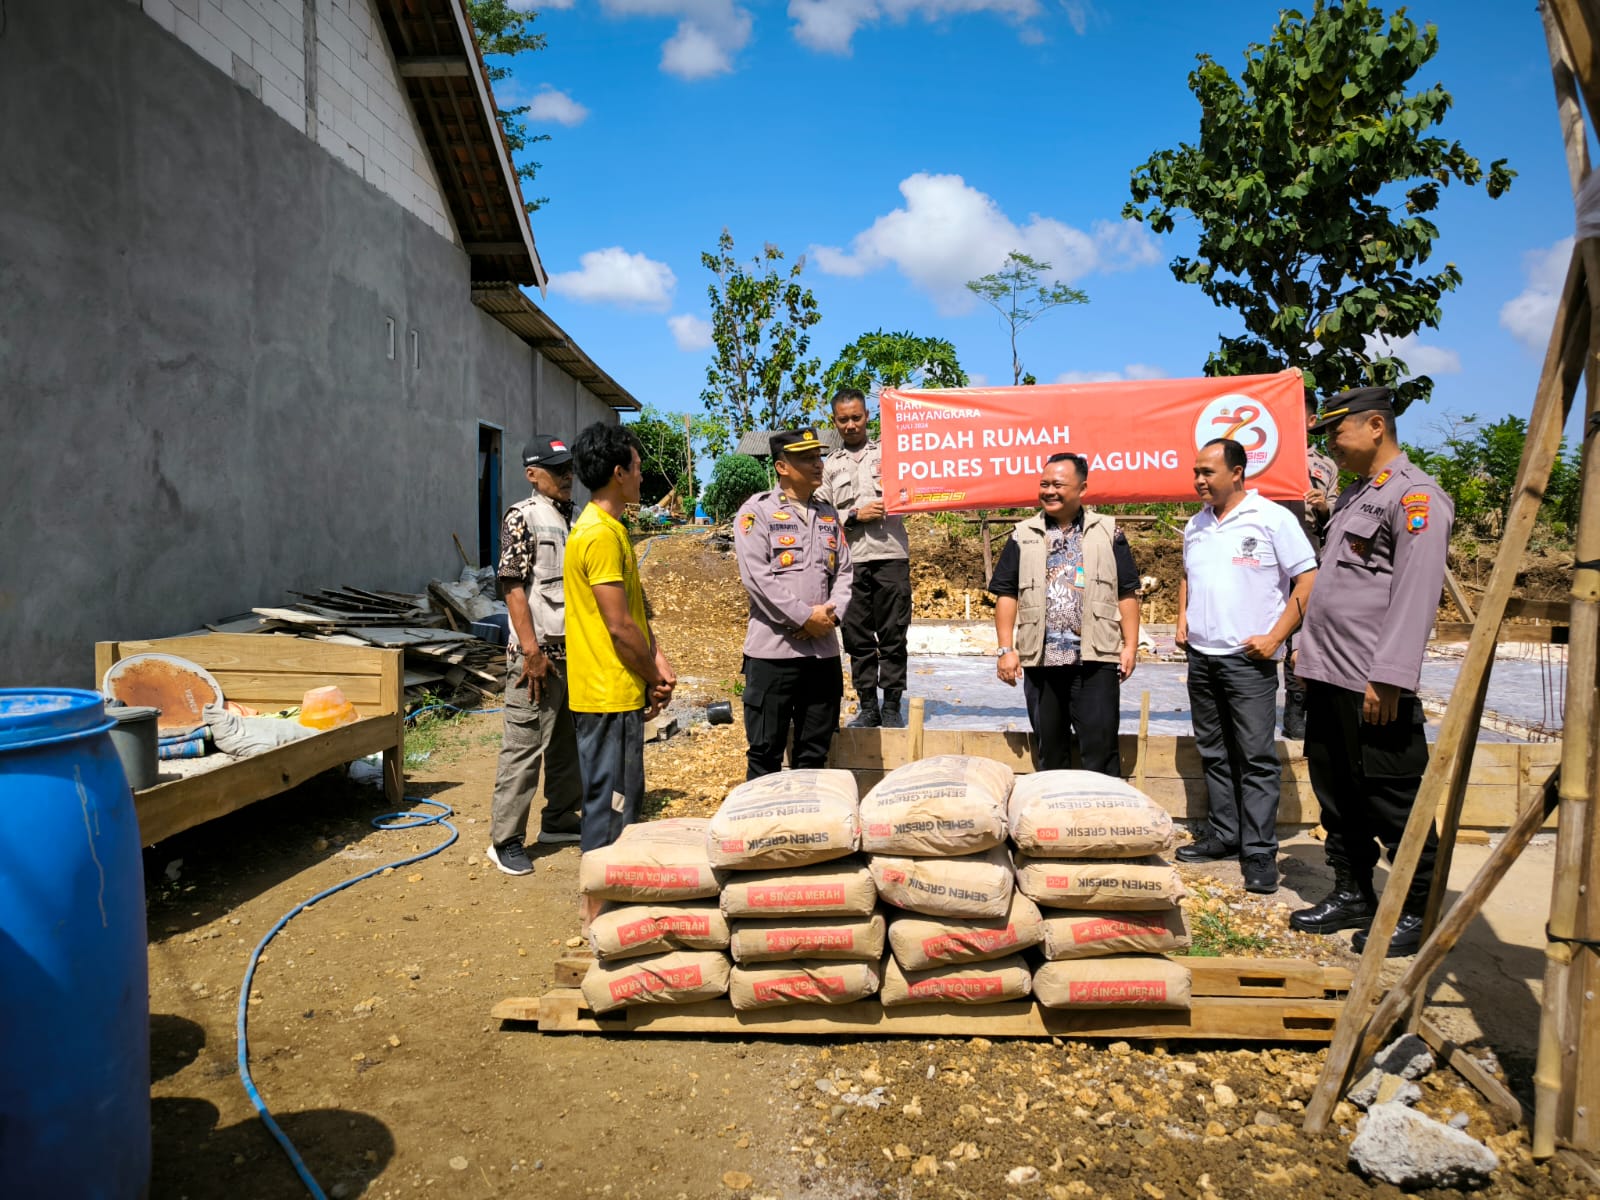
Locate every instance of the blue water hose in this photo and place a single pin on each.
(387, 821)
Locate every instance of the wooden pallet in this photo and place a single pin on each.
(1250, 999)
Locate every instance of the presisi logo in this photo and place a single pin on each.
(1245, 420)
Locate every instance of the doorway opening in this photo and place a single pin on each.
(488, 495)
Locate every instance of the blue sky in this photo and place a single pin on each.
(905, 146)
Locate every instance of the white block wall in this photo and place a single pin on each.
(362, 115)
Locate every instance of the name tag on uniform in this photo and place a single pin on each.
(1078, 578)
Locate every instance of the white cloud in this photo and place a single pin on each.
(949, 232)
(556, 107)
(690, 332)
(613, 276)
(977, 379)
(829, 25)
(1530, 315)
(1078, 14)
(1131, 371)
(709, 33)
(1418, 358)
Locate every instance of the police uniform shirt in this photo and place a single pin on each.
(851, 479)
(1373, 605)
(791, 557)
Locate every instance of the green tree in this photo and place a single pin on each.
(663, 454)
(1476, 464)
(1014, 291)
(1310, 185)
(734, 479)
(896, 360)
(759, 376)
(502, 30)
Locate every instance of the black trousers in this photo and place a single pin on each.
(1366, 779)
(790, 703)
(875, 623)
(1082, 703)
(1234, 702)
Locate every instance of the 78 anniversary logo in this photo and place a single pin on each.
(1245, 420)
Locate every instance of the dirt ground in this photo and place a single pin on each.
(371, 1042)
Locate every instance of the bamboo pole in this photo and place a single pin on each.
(1563, 366)
(1414, 980)
(1144, 739)
(1567, 1071)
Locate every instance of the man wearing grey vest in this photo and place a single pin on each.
(1066, 616)
(538, 724)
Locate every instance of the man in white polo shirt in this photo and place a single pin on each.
(1247, 572)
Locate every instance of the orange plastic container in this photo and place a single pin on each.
(326, 708)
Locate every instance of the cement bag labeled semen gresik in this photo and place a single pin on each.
(808, 937)
(768, 985)
(678, 977)
(990, 982)
(1117, 885)
(920, 943)
(842, 888)
(1126, 981)
(629, 930)
(947, 804)
(652, 860)
(787, 819)
(976, 885)
(1096, 934)
(1083, 814)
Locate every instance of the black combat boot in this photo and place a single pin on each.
(868, 717)
(1407, 939)
(1294, 714)
(893, 718)
(1350, 905)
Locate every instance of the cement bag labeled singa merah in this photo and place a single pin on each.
(786, 819)
(677, 977)
(1084, 814)
(1121, 981)
(770, 985)
(974, 885)
(808, 937)
(629, 930)
(947, 804)
(920, 943)
(652, 860)
(842, 888)
(989, 982)
(1096, 934)
(1116, 885)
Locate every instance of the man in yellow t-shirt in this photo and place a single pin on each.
(618, 678)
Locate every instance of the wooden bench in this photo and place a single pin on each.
(269, 672)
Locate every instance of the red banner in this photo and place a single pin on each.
(985, 447)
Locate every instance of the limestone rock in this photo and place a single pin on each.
(1407, 1057)
(1379, 1087)
(1400, 1146)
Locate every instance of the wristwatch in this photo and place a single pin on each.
(1003, 651)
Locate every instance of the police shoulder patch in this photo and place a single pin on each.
(746, 522)
(1411, 498)
(1416, 520)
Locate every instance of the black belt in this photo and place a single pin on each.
(552, 650)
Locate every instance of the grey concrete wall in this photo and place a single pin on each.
(197, 408)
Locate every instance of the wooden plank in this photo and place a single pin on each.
(1500, 1099)
(1460, 631)
(1211, 1017)
(570, 969)
(264, 653)
(1558, 611)
(170, 808)
(283, 689)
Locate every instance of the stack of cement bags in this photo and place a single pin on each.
(799, 903)
(1089, 852)
(661, 939)
(935, 833)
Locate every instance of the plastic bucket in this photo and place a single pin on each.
(75, 1038)
(135, 739)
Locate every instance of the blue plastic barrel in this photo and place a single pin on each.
(74, 995)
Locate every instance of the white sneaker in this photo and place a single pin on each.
(511, 858)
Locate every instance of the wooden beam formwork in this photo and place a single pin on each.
(1506, 777)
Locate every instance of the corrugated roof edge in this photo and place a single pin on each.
(511, 307)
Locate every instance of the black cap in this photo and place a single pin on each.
(1357, 400)
(546, 451)
(793, 441)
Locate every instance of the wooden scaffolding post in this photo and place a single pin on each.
(1452, 755)
(1567, 1072)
